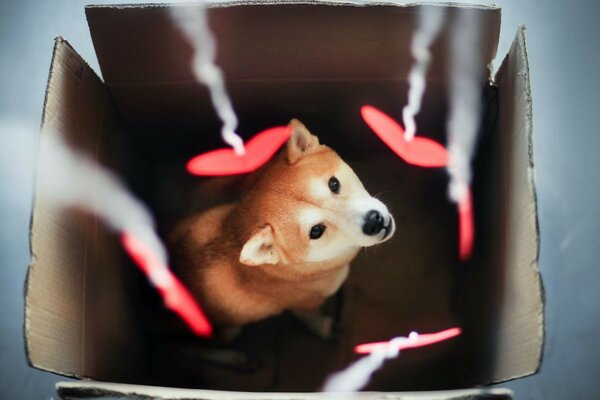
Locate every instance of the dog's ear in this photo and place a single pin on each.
(300, 143)
(261, 248)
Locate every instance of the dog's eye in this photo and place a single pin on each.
(317, 231)
(334, 184)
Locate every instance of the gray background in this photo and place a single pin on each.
(564, 51)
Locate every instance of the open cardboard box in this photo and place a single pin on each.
(90, 315)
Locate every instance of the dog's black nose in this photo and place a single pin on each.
(373, 223)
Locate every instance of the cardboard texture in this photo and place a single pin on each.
(520, 324)
(77, 390)
(75, 279)
(278, 59)
(88, 314)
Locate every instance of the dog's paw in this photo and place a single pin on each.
(318, 324)
(232, 359)
(228, 335)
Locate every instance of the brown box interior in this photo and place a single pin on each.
(89, 314)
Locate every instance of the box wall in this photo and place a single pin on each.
(520, 322)
(77, 390)
(276, 58)
(78, 318)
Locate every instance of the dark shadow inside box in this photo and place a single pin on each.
(412, 282)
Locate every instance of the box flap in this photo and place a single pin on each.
(140, 45)
(89, 389)
(520, 319)
(75, 323)
(318, 52)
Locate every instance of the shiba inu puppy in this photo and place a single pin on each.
(287, 243)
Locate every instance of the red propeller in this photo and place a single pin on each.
(419, 151)
(174, 294)
(427, 153)
(413, 341)
(259, 150)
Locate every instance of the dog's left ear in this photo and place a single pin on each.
(261, 248)
(300, 143)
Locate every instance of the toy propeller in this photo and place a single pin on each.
(414, 340)
(174, 294)
(225, 161)
(427, 153)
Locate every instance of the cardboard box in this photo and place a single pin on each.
(88, 312)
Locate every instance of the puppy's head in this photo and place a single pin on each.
(310, 207)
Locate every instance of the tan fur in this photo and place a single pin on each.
(247, 261)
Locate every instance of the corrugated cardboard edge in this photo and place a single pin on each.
(26, 317)
(357, 3)
(58, 41)
(519, 48)
(522, 37)
(88, 389)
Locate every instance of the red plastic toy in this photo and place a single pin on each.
(259, 150)
(174, 294)
(427, 153)
(419, 340)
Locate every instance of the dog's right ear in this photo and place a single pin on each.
(300, 143)
(261, 248)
